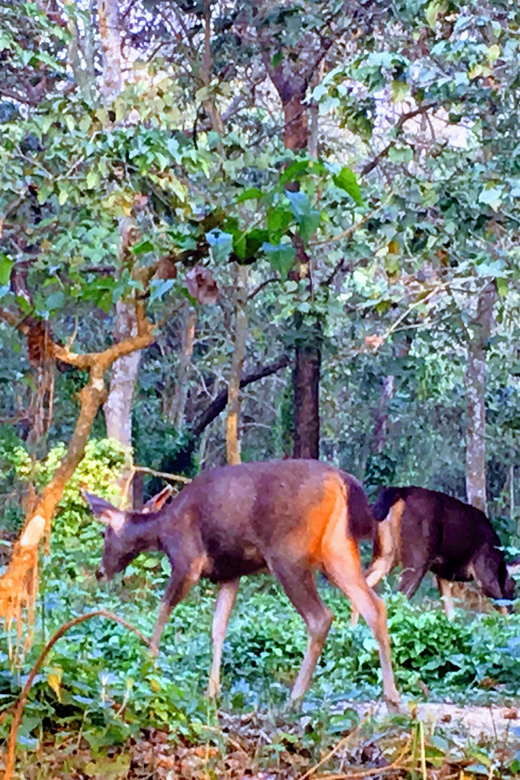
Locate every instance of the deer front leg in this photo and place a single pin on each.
(179, 585)
(225, 600)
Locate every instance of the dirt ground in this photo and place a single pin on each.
(493, 722)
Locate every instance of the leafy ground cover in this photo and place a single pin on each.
(101, 697)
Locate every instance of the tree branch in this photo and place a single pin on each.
(219, 403)
(369, 166)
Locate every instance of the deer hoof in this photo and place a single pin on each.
(394, 704)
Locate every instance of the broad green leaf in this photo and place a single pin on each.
(347, 181)
(502, 286)
(159, 287)
(300, 204)
(491, 196)
(399, 90)
(55, 300)
(142, 247)
(281, 257)
(221, 244)
(400, 154)
(63, 195)
(309, 224)
(251, 194)
(202, 94)
(433, 10)
(92, 179)
(278, 220)
(6, 265)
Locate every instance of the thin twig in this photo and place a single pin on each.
(261, 286)
(374, 770)
(20, 704)
(343, 741)
(164, 475)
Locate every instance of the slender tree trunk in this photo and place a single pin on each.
(181, 390)
(110, 34)
(119, 403)
(475, 381)
(380, 431)
(233, 405)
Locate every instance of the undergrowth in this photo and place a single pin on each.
(100, 685)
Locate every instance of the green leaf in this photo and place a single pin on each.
(276, 59)
(202, 94)
(63, 196)
(92, 179)
(346, 180)
(160, 287)
(142, 247)
(281, 257)
(278, 220)
(6, 265)
(221, 244)
(502, 286)
(399, 90)
(491, 196)
(55, 300)
(300, 204)
(251, 194)
(309, 224)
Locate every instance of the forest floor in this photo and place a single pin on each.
(431, 741)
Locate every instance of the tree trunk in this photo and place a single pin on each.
(233, 405)
(181, 389)
(306, 387)
(119, 403)
(475, 381)
(380, 430)
(110, 34)
(306, 375)
(118, 406)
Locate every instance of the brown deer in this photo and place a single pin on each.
(424, 530)
(291, 517)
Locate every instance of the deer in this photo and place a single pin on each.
(425, 530)
(289, 517)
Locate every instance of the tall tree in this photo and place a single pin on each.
(119, 403)
(475, 380)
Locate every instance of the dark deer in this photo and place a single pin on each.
(292, 517)
(424, 530)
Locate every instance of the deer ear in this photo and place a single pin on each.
(105, 512)
(158, 501)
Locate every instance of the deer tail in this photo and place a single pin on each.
(386, 500)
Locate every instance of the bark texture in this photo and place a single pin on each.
(233, 404)
(181, 389)
(475, 381)
(118, 406)
(380, 431)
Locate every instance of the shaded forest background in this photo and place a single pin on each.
(249, 230)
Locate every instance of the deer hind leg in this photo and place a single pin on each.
(225, 601)
(342, 564)
(386, 550)
(378, 569)
(446, 592)
(297, 580)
